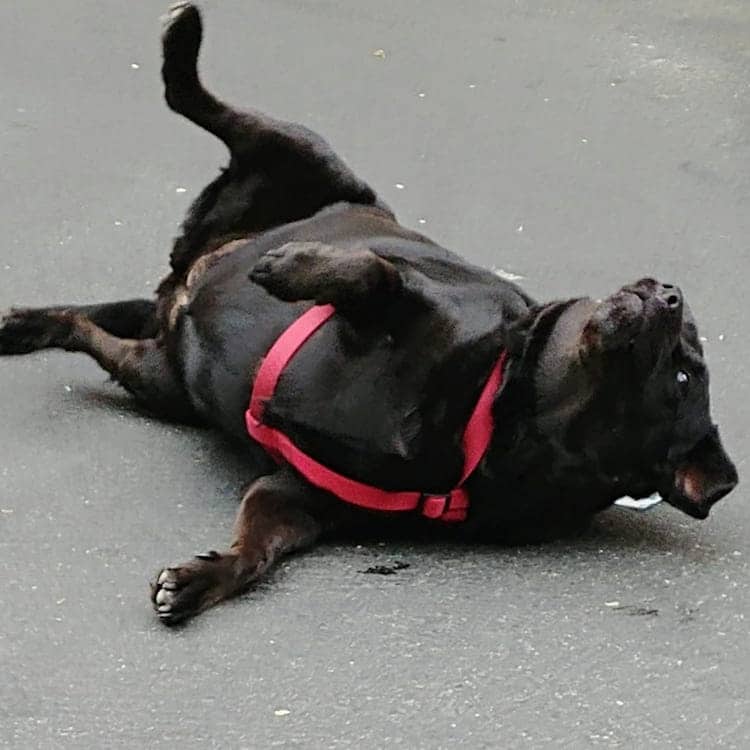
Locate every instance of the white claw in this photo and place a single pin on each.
(163, 596)
(163, 576)
(173, 12)
(164, 608)
(176, 9)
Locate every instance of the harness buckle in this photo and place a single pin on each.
(434, 506)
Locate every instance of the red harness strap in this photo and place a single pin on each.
(450, 507)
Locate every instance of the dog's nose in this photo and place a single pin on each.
(669, 294)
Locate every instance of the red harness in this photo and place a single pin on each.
(450, 507)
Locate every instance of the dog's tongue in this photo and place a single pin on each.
(643, 503)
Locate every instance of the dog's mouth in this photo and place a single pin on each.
(702, 477)
(691, 497)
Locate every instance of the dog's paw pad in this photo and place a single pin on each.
(183, 16)
(261, 270)
(282, 265)
(165, 593)
(175, 11)
(24, 331)
(184, 590)
(177, 8)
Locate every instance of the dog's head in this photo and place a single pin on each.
(621, 395)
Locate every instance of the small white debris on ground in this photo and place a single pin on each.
(584, 140)
(180, 190)
(68, 388)
(472, 85)
(379, 53)
(612, 604)
(421, 221)
(281, 712)
(721, 337)
(400, 186)
(643, 503)
(118, 223)
(134, 66)
(519, 228)
(507, 275)
(421, 95)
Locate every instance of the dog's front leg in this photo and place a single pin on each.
(275, 518)
(346, 278)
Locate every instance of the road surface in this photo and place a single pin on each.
(579, 144)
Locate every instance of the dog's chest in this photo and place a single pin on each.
(388, 410)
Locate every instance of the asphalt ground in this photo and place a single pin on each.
(579, 144)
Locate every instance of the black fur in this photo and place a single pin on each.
(600, 399)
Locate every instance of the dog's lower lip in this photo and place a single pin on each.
(699, 511)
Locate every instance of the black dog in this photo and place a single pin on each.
(598, 398)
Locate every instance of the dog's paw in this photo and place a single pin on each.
(293, 257)
(290, 272)
(324, 273)
(184, 590)
(24, 331)
(182, 29)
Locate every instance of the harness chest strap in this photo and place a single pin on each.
(451, 507)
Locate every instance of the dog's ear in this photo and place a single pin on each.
(703, 477)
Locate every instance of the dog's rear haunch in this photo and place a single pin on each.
(599, 399)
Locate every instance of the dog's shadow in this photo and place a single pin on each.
(616, 532)
(235, 464)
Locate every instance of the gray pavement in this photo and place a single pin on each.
(577, 143)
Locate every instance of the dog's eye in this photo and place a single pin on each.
(682, 379)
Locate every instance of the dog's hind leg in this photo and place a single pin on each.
(182, 35)
(246, 133)
(128, 319)
(279, 172)
(276, 518)
(141, 366)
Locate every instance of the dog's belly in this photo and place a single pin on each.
(366, 413)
